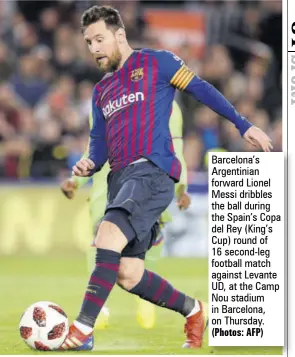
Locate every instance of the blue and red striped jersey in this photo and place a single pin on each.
(131, 109)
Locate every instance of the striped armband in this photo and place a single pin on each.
(182, 78)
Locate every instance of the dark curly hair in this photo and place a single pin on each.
(108, 14)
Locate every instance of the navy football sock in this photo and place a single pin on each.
(100, 285)
(158, 291)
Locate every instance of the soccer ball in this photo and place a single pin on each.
(44, 326)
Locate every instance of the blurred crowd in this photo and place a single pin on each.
(47, 77)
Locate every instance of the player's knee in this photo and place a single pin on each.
(109, 236)
(114, 231)
(130, 272)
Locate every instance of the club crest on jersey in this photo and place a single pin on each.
(137, 74)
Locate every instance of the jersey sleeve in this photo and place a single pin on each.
(98, 151)
(81, 181)
(208, 95)
(174, 71)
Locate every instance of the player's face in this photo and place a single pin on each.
(103, 45)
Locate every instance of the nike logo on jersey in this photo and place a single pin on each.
(114, 106)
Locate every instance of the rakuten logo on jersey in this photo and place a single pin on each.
(121, 103)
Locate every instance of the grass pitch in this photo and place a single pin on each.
(62, 279)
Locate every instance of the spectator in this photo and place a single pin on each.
(85, 97)
(27, 83)
(9, 108)
(193, 151)
(261, 119)
(27, 41)
(49, 156)
(276, 135)
(49, 20)
(6, 63)
(207, 124)
(16, 154)
(64, 59)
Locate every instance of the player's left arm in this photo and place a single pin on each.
(184, 79)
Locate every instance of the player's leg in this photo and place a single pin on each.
(158, 291)
(103, 318)
(148, 285)
(154, 254)
(97, 208)
(146, 312)
(113, 235)
(110, 241)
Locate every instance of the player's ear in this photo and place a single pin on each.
(121, 35)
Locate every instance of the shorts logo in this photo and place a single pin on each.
(137, 74)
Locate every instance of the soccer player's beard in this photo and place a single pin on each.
(112, 63)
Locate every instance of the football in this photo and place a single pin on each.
(44, 326)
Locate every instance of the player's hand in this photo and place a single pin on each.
(69, 187)
(258, 138)
(83, 167)
(183, 201)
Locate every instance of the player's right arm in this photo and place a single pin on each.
(70, 185)
(98, 152)
(174, 71)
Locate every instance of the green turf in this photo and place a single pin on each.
(25, 280)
